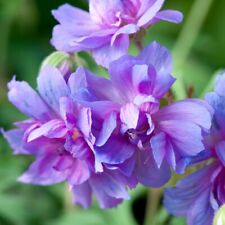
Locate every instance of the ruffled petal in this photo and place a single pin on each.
(52, 129)
(115, 151)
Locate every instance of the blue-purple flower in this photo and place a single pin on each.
(59, 136)
(200, 195)
(137, 136)
(105, 30)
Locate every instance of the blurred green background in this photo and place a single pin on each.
(198, 46)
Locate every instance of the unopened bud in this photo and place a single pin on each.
(61, 60)
(219, 218)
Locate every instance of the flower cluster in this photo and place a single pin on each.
(106, 135)
(202, 193)
(103, 136)
(105, 30)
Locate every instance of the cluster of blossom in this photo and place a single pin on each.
(103, 136)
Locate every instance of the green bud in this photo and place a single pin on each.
(219, 218)
(61, 60)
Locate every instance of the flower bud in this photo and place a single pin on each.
(219, 218)
(61, 60)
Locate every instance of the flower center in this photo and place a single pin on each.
(76, 134)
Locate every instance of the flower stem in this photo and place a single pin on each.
(186, 40)
(153, 201)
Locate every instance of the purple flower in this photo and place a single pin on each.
(105, 30)
(137, 136)
(59, 136)
(200, 195)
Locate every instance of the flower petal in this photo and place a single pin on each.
(27, 100)
(108, 53)
(82, 194)
(147, 171)
(108, 127)
(52, 129)
(42, 171)
(150, 13)
(115, 151)
(52, 86)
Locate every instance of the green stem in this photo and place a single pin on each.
(186, 40)
(153, 201)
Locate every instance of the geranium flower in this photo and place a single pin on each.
(59, 136)
(200, 195)
(105, 30)
(137, 135)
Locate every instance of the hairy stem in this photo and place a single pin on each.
(153, 201)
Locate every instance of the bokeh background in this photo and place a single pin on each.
(198, 46)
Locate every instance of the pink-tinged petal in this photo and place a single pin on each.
(147, 171)
(127, 29)
(108, 127)
(185, 136)
(82, 194)
(193, 110)
(115, 151)
(104, 12)
(79, 173)
(129, 115)
(172, 16)
(108, 53)
(220, 151)
(28, 101)
(52, 86)
(14, 138)
(159, 148)
(52, 129)
(150, 13)
(42, 171)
